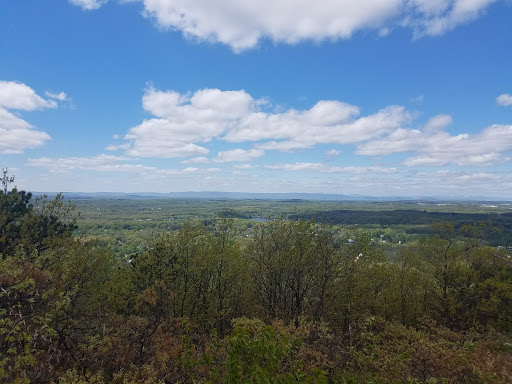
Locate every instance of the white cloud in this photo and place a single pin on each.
(436, 17)
(238, 155)
(438, 123)
(286, 125)
(430, 7)
(331, 154)
(319, 167)
(112, 147)
(61, 96)
(298, 130)
(439, 183)
(101, 163)
(242, 24)
(183, 120)
(211, 170)
(108, 163)
(210, 104)
(285, 146)
(88, 5)
(436, 147)
(19, 96)
(298, 167)
(504, 99)
(164, 138)
(16, 134)
(245, 166)
(196, 160)
(146, 147)
(454, 183)
(121, 173)
(183, 123)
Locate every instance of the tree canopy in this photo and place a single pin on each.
(289, 303)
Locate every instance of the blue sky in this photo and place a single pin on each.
(372, 97)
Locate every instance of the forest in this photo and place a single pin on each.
(226, 298)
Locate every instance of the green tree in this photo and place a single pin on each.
(357, 285)
(14, 205)
(292, 266)
(256, 353)
(442, 255)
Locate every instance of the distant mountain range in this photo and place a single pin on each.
(258, 196)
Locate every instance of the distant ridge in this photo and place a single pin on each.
(258, 196)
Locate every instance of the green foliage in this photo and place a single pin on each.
(231, 301)
(387, 352)
(203, 269)
(32, 227)
(14, 205)
(255, 353)
(47, 220)
(292, 265)
(17, 287)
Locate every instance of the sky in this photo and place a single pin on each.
(407, 98)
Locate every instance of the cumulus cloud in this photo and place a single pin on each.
(19, 96)
(183, 123)
(159, 138)
(16, 134)
(183, 120)
(435, 147)
(238, 155)
(504, 99)
(242, 24)
(300, 129)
